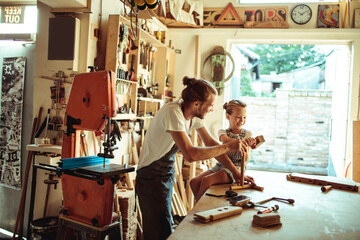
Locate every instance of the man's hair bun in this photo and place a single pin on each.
(189, 81)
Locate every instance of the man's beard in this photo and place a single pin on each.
(199, 114)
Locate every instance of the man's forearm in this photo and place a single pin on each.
(202, 153)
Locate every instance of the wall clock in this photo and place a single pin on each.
(301, 14)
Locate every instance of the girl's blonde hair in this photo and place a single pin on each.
(233, 103)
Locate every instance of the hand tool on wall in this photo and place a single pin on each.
(146, 55)
(132, 71)
(141, 53)
(150, 58)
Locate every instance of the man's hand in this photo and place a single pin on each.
(238, 146)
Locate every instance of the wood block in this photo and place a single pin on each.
(266, 220)
(356, 151)
(217, 213)
(259, 140)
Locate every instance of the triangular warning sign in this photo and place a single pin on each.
(235, 18)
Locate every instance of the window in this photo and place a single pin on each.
(297, 98)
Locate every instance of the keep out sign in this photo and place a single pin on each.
(12, 14)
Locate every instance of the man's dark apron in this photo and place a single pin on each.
(154, 187)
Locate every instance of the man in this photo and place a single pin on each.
(167, 133)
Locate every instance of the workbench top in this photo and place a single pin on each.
(314, 215)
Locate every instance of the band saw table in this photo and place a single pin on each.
(314, 215)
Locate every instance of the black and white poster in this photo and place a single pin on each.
(13, 75)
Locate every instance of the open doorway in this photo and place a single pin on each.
(297, 97)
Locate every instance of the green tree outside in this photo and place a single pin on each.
(279, 58)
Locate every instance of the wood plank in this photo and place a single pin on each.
(112, 41)
(338, 183)
(356, 151)
(180, 182)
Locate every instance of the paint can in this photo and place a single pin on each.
(44, 228)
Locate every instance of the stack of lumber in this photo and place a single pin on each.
(125, 208)
(187, 171)
(179, 204)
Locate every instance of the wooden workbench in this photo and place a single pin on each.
(314, 215)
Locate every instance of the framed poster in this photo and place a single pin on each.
(11, 121)
(328, 16)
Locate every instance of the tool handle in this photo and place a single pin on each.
(269, 210)
(326, 188)
(258, 188)
(213, 195)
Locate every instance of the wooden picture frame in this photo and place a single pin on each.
(328, 16)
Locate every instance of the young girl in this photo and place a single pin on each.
(236, 114)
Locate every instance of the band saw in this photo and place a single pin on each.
(88, 182)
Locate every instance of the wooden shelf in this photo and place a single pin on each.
(127, 81)
(147, 37)
(143, 118)
(163, 67)
(150, 99)
(171, 23)
(125, 116)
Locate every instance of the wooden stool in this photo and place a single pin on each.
(113, 230)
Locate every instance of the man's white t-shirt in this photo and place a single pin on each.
(158, 140)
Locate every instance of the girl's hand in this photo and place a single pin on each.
(247, 179)
(250, 180)
(251, 142)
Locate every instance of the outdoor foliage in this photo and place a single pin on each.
(245, 88)
(282, 58)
